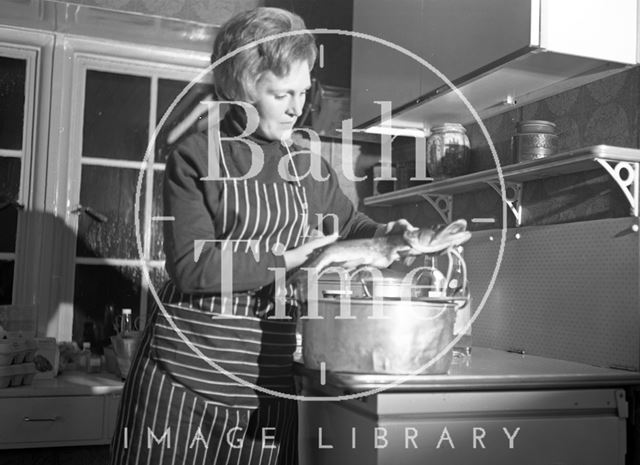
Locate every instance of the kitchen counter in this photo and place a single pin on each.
(71, 383)
(72, 409)
(492, 408)
(484, 369)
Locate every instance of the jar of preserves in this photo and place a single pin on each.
(448, 151)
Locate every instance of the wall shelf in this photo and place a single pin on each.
(623, 164)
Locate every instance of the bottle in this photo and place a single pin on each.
(126, 323)
(83, 357)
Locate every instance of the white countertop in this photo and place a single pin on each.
(71, 383)
(487, 369)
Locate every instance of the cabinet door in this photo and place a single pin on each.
(114, 107)
(457, 38)
(38, 421)
(378, 72)
(463, 37)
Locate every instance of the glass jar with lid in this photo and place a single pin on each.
(448, 151)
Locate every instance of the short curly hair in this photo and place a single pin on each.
(236, 77)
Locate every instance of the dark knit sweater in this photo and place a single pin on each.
(196, 205)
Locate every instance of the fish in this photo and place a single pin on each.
(380, 252)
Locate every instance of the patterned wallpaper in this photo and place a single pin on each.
(213, 12)
(606, 111)
(602, 112)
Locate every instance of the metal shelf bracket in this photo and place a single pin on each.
(442, 204)
(513, 197)
(627, 175)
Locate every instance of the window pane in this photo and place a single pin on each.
(96, 287)
(6, 282)
(157, 235)
(12, 84)
(110, 192)
(168, 90)
(9, 192)
(116, 116)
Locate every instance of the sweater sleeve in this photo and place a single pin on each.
(352, 224)
(193, 260)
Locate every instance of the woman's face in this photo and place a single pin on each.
(279, 100)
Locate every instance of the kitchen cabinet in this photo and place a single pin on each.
(71, 410)
(381, 73)
(499, 53)
(493, 407)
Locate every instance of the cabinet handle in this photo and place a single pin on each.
(40, 419)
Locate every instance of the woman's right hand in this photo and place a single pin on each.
(293, 258)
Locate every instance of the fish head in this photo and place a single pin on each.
(432, 241)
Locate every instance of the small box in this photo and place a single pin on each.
(47, 358)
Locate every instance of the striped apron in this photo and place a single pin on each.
(180, 407)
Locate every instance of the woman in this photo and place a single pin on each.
(209, 392)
